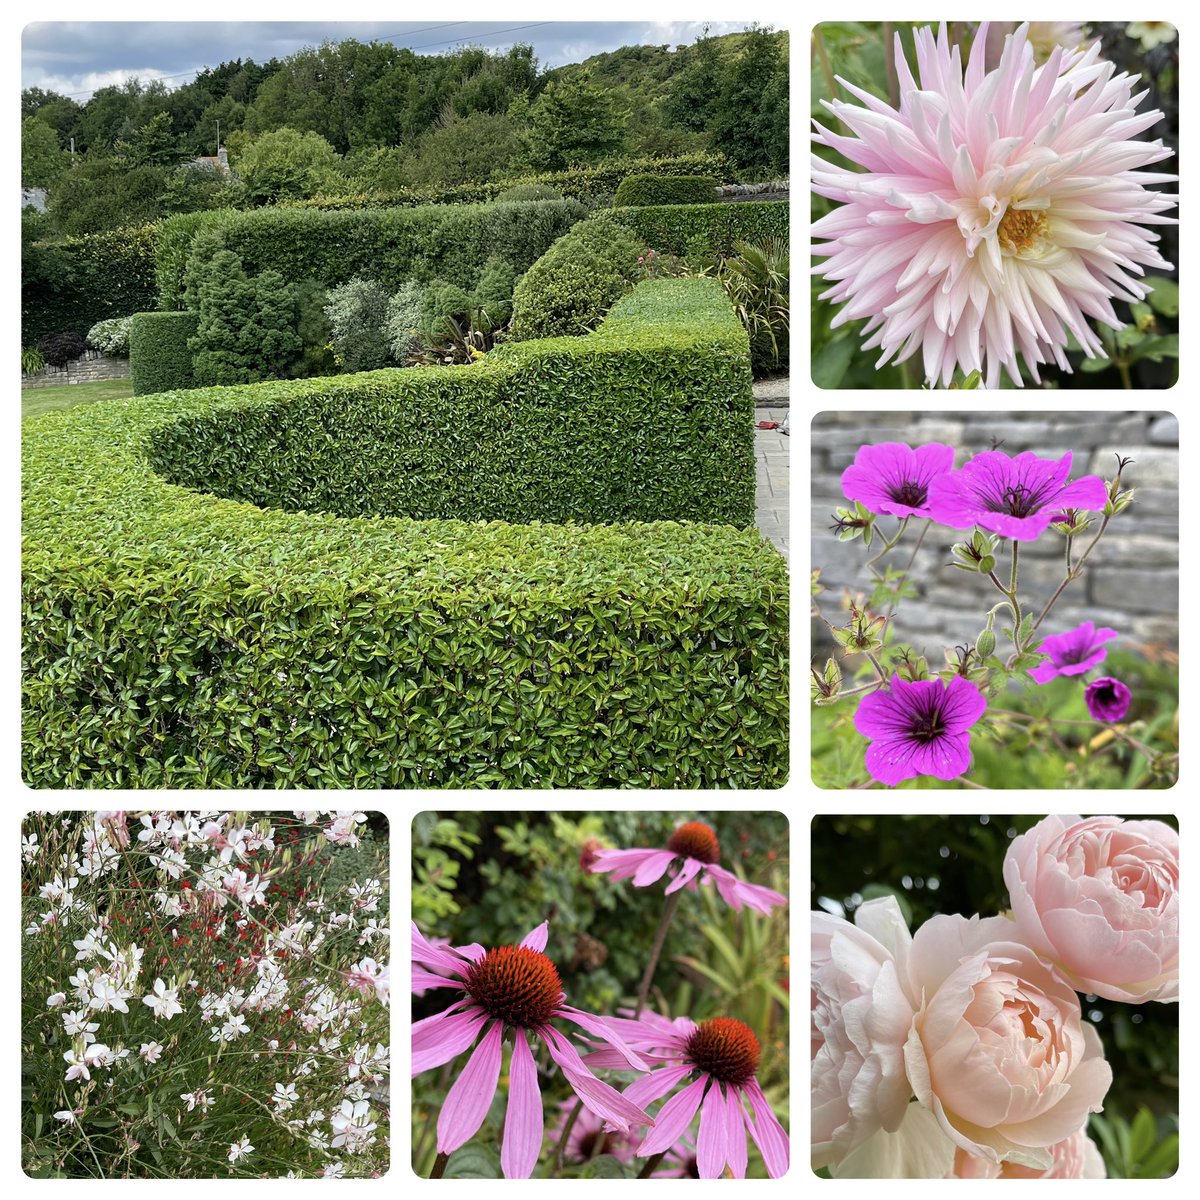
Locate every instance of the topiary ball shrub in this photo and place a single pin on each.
(491, 576)
(159, 358)
(111, 336)
(58, 349)
(665, 189)
(570, 288)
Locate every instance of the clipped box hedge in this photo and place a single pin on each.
(328, 591)
(665, 189)
(159, 358)
(72, 283)
(680, 228)
(391, 245)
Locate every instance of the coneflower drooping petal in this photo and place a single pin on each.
(995, 212)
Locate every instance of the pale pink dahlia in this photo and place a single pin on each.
(995, 211)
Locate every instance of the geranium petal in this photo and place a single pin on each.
(470, 1097)
(523, 1123)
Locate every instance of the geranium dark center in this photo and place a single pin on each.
(927, 725)
(518, 985)
(1019, 500)
(695, 840)
(910, 493)
(725, 1049)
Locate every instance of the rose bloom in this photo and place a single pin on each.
(998, 1049)
(1076, 1157)
(1100, 898)
(860, 1020)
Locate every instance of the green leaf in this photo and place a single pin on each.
(1165, 297)
(605, 1166)
(1142, 1135)
(1156, 348)
(831, 364)
(474, 1161)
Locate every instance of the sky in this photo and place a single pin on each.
(75, 58)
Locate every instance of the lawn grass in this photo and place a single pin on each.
(53, 399)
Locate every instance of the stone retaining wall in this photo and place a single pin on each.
(775, 189)
(1134, 585)
(91, 367)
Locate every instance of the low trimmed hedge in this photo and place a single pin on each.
(159, 358)
(391, 245)
(665, 189)
(227, 629)
(684, 228)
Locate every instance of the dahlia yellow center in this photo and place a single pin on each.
(1021, 229)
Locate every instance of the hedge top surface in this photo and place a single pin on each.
(95, 511)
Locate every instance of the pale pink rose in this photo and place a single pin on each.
(917, 1150)
(1100, 898)
(1076, 1157)
(860, 1019)
(998, 1049)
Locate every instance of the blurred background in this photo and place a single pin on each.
(954, 864)
(1149, 348)
(491, 877)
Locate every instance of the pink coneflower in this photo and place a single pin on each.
(995, 212)
(697, 845)
(513, 989)
(722, 1055)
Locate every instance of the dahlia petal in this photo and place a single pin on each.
(672, 1120)
(653, 868)
(524, 1127)
(735, 1134)
(712, 1142)
(691, 867)
(435, 1045)
(471, 1094)
(769, 1136)
(535, 939)
(651, 1086)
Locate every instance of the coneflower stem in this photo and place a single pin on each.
(652, 1162)
(439, 1166)
(566, 1133)
(660, 936)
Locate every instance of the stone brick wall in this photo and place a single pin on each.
(90, 368)
(1131, 582)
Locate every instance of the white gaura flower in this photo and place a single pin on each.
(106, 995)
(199, 1096)
(65, 1114)
(240, 1150)
(29, 849)
(284, 1097)
(56, 1000)
(351, 1126)
(151, 1051)
(77, 1025)
(164, 1000)
(77, 1066)
(995, 213)
(333, 1170)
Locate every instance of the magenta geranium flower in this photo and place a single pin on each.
(510, 991)
(995, 212)
(696, 845)
(1107, 699)
(893, 478)
(1014, 497)
(920, 728)
(1073, 653)
(720, 1058)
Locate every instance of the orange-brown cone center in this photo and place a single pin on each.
(725, 1049)
(695, 840)
(518, 985)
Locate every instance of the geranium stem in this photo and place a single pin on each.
(566, 1133)
(651, 1164)
(439, 1166)
(660, 936)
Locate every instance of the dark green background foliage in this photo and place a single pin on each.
(954, 864)
(492, 877)
(706, 229)
(73, 283)
(179, 639)
(665, 189)
(570, 288)
(159, 358)
(391, 245)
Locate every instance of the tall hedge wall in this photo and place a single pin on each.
(665, 189)
(392, 245)
(679, 227)
(159, 358)
(177, 637)
(75, 282)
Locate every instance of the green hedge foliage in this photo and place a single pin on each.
(391, 245)
(73, 283)
(594, 186)
(706, 228)
(665, 189)
(327, 592)
(159, 358)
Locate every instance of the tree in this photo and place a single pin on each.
(462, 149)
(695, 90)
(286, 163)
(42, 159)
(750, 119)
(153, 144)
(572, 123)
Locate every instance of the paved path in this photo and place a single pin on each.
(771, 491)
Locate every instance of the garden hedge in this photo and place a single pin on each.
(684, 228)
(391, 245)
(325, 590)
(73, 283)
(665, 189)
(159, 358)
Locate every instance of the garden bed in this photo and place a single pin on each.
(330, 592)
